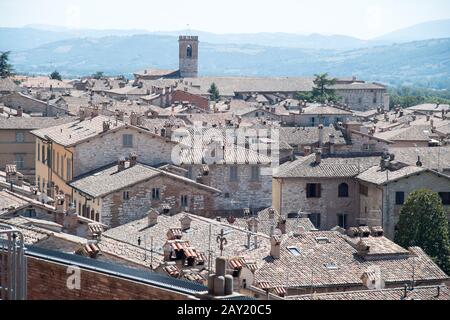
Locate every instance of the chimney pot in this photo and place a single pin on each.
(318, 153)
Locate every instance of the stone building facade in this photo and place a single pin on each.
(165, 193)
(381, 204)
(240, 187)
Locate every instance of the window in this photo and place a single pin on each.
(30, 213)
(315, 219)
(313, 190)
(69, 169)
(342, 220)
(234, 173)
(399, 198)
(20, 161)
(49, 157)
(57, 163)
(189, 51)
(343, 190)
(445, 196)
(127, 140)
(255, 173)
(294, 251)
(313, 121)
(155, 194)
(38, 183)
(126, 195)
(184, 201)
(364, 190)
(189, 173)
(39, 152)
(331, 266)
(43, 154)
(20, 137)
(62, 166)
(359, 100)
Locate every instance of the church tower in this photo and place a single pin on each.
(188, 56)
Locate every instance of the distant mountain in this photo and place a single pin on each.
(279, 39)
(32, 36)
(423, 31)
(17, 39)
(424, 63)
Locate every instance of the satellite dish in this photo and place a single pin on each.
(277, 232)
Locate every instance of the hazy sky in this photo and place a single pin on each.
(360, 18)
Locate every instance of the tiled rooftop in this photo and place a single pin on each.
(440, 292)
(329, 167)
(106, 180)
(336, 262)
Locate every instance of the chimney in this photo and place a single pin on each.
(320, 135)
(282, 225)
(275, 247)
(307, 150)
(121, 164)
(185, 222)
(82, 114)
(106, 126)
(133, 159)
(252, 224)
(19, 111)
(419, 163)
(318, 153)
(152, 216)
(71, 219)
(134, 119)
(220, 283)
(332, 143)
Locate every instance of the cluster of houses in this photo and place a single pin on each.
(301, 199)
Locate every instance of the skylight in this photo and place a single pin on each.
(331, 266)
(294, 250)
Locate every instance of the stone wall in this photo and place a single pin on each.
(290, 197)
(362, 100)
(236, 195)
(115, 211)
(107, 149)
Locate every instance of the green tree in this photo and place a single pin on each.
(6, 69)
(214, 92)
(98, 75)
(423, 223)
(55, 76)
(304, 96)
(321, 91)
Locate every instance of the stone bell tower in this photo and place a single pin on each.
(188, 56)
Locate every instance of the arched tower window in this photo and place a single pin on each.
(189, 51)
(343, 190)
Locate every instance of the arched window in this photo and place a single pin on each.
(189, 51)
(343, 190)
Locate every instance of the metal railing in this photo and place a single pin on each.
(13, 280)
